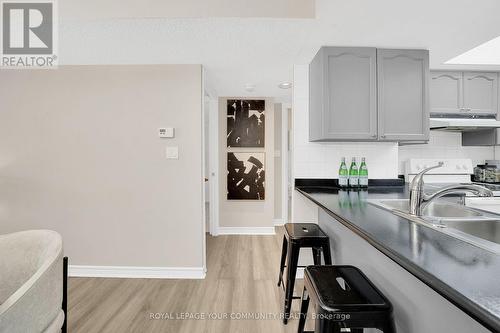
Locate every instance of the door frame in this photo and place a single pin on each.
(285, 145)
(213, 149)
(209, 99)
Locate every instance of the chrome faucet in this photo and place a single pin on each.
(419, 200)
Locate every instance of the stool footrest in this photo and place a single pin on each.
(297, 266)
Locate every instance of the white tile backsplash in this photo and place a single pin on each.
(384, 160)
(444, 145)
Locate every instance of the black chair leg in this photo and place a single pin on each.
(324, 325)
(388, 327)
(64, 328)
(304, 306)
(316, 256)
(327, 254)
(283, 260)
(293, 258)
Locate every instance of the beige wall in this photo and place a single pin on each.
(80, 154)
(247, 213)
(95, 9)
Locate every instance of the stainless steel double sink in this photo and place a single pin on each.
(470, 225)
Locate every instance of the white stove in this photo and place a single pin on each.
(453, 171)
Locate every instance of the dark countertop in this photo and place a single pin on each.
(466, 275)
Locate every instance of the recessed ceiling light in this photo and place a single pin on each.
(249, 87)
(484, 54)
(285, 85)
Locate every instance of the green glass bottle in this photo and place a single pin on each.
(363, 174)
(343, 174)
(353, 174)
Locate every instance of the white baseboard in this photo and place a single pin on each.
(278, 222)
(137, 272)
(245, 231)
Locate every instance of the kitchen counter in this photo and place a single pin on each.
(466, 275)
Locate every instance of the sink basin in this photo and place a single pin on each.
(486, 229)
(435, 210)
(472, 226)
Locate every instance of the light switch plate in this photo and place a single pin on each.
(173, 153)
(166, 132)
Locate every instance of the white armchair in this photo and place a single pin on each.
(31, 282)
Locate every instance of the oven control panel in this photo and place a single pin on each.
(456, 170)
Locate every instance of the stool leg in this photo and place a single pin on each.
(303, 310)
(326, 253)
(388, 327)
(325, 325)
(293, 258)
(316, 256)
(283, 258)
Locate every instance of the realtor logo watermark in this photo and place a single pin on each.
(29, 34)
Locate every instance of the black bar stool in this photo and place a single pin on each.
(297, 236)
(344, 298)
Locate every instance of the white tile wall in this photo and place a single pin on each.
(384, 160)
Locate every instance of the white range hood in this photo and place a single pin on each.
(463, 123)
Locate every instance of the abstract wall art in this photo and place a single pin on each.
(245, 123)
(246, 176)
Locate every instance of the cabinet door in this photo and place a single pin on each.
(480, 92)
(446, 92)
(350, 100)
(403, 95)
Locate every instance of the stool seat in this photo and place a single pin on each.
(304, 230)
(344, 298)
(342, 288)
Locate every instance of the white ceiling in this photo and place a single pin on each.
(487, 53)
(262, 51)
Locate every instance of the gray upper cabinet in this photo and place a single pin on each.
(464, 92)
(403, 90)
(446, 92)
(481, 92)
(343, 95)
(365, 94)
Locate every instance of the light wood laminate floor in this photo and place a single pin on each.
(241, 278)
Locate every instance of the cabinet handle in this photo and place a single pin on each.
(382, 136)
(374, 135)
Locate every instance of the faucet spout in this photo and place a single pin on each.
(419, 200)
(460, 188)
(417, 190)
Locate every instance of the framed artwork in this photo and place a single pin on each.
(246, 176)
(246, 123)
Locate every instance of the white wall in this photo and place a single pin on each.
(278, 153)
(80, 154)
